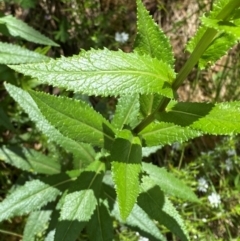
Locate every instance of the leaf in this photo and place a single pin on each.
(36, 223)
(149, 103)
(82, 151)
(153, 201)
(168, 182)
(218, 119)
(102, 224)
(31, 196)
(126, 111)
(75, 119)
(29, 160)
(161, 133)
(139, 219)
(5, 121)
(126, 157)
(13, 54)
(147, 151)
(229, 27)
(220, 44)
(80, 202)
(150, 38)
(17, 27)
(34, 195)
(104, 72)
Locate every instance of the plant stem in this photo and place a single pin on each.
(11, 233)
(201, 47)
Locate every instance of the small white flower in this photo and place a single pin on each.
(229, 165)
(121, 37)
(214, 200)
(202, 185)
(231, 152)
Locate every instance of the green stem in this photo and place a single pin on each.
(11, 233)
(201, 47)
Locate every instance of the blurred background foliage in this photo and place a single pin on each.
(209, 164)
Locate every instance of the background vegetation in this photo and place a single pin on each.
(209, 164)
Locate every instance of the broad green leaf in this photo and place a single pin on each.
(169, 183)
(140, 220)
(229, 27)
(18, 28)
(220, 44)
(218, 119)
(126, 157)
(150, 38)
(82, 151)
(76, 212)
(126, 111)
(80, 202)
(34, 195)
(149, 103)
(29, 160)
(104, 72)
(75, 119)
(31, 196)
(13, 54)
(36, 223)
(100, 227)
(162, 133)
(5, 121)
(153, 201)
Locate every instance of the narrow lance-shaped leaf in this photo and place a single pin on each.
(126, 157)
(162, 133)
(218, 119)
(82, 151)
(138, 219)
(75, 119)
(13, 54)
(150, 38)
(102, 224)
(29, 160)
(33, 195)
(36, 223)
(80, 202)
(17, 27)
(104, 72)
(153, 201)
(169, 183)
(126, 111)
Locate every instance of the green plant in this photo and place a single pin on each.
(115, 182)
